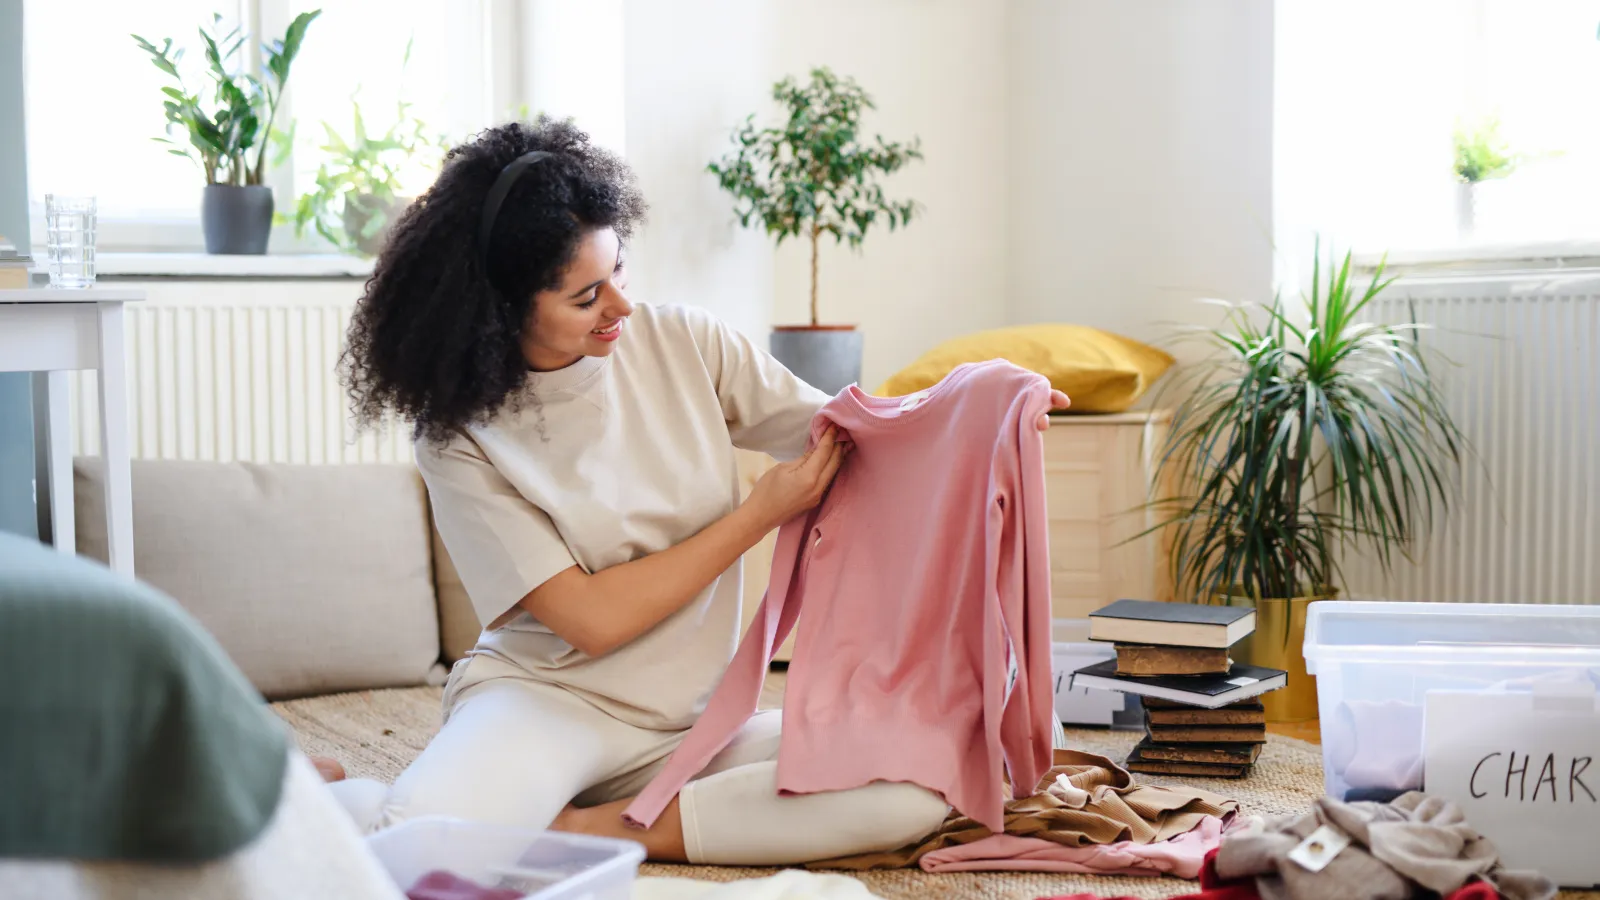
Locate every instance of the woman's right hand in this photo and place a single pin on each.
(789, 489)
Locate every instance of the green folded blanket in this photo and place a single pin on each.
(125, 732)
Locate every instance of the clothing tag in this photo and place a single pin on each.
(1243, 680)
(1069, 793)
(1315, 852)
(912, 401)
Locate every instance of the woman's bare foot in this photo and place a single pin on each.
(328, 768)
(663, 842)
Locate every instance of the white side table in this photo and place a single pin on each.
(54, 332)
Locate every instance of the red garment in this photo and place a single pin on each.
(441, 885)
(1214, 888)
(924, 573)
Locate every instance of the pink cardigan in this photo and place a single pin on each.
(925, 573)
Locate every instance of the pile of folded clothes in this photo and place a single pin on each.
(1418, 846)
(1088, 816)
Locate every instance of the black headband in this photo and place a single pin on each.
(497, 195)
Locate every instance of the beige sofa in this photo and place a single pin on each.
(315, 579)
(327, 585)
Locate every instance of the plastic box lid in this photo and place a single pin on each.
(1348, 631)
(567, 866)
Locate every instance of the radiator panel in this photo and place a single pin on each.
(225, 382)
(1522, 378)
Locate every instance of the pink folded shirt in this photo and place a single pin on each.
(1181, 856)
(924, 573)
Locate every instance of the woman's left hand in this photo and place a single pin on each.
(1058, 400)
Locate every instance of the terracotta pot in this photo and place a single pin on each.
(1279, 643)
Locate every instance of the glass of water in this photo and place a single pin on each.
(69, 240)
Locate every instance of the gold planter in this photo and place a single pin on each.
(1278, 643)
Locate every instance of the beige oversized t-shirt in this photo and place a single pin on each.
(608, 460)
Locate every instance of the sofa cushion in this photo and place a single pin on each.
(459, 627)
(312, 578)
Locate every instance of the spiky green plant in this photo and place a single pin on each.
(1308, 432)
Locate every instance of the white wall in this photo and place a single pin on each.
(1094, 161)
(936, 69)
(695, 69)
(1140, 159)
(692, 69)
(572, 64)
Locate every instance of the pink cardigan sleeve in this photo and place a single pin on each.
(735, 697)
(1024, 589)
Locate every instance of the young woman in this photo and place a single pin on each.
(579, 455)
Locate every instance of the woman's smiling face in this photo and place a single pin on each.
(585, 315)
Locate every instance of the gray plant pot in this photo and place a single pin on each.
(236, 219)
(827, 357)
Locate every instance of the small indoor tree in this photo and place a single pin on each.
(811, 175)
(814, 174)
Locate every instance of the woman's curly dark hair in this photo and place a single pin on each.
(436, 338)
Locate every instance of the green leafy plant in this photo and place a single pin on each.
(237, 113)
(357, 194)
(1307, 431)
(814, 174)
(1481, 154)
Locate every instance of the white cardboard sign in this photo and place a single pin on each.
(1081, 705)
(1525, 768)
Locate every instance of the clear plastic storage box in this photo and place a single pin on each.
(1375, 662)
(546, 865)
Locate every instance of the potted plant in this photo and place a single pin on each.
(225, 122)
(1308, 433)
(810, 176)
(359, 187)
(1481, 154)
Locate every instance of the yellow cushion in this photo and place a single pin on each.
(1102, 372)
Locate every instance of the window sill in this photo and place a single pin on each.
(205, 265)
(1471, 258)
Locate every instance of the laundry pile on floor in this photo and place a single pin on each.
(1417, 846)
(1087, 816)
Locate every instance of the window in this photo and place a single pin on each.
(94, 101)
(1370, 92)
(360, 54)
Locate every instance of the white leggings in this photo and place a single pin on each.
(515, 752)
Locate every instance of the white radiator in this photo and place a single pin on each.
(1523, 382)
(224, 382)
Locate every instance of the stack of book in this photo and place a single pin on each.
(1202, 715)
(14, 266)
